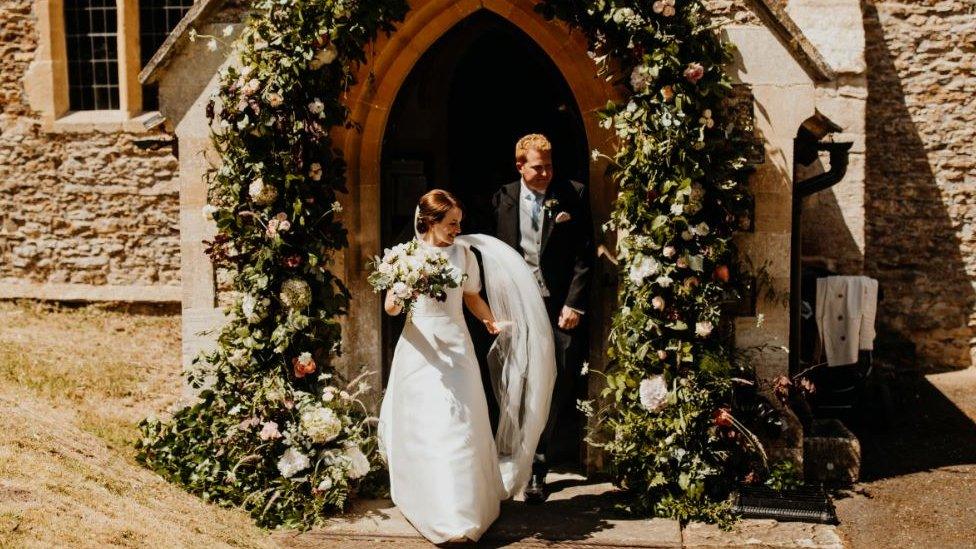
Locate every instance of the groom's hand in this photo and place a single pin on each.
(568, 318)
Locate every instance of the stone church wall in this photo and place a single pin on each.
(90, 215)
(920, 201)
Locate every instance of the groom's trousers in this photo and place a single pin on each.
(570, 347)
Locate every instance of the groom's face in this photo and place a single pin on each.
(537, 168)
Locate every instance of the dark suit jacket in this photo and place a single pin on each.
(567, 248)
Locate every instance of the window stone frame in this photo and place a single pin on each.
(46, 82)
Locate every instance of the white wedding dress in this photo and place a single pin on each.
(447, 476)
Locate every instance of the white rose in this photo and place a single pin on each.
(358, 462)
(669, 251)
(702, 329)
(316, 106)
(658, 303)
(401, 290)
(291, 462)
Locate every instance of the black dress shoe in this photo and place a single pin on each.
(535, 492)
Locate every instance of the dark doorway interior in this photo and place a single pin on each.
(454, 125)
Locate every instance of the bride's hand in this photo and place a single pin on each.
(491, 326)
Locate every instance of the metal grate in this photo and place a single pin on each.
(157, 18)
(93, 65)
(805, 504)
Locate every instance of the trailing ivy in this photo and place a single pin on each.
(669, 427)
(274, 429)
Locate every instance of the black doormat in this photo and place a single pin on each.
(806, 504)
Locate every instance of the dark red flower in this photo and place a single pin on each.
(722, 417)
(292, 261)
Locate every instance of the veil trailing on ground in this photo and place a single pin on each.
(521, 361)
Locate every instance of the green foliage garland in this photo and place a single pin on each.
(672, 437)
(275, 430)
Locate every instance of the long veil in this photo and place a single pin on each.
(521, 361)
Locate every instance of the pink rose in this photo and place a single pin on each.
(269, 431)
(694, 72)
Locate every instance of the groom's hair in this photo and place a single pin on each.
(433, 207)
(533, 141)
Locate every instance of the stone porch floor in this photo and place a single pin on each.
(578, 514)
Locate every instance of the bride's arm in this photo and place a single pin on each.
(480, 309)
(389, 304)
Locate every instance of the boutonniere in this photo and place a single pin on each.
(550, 206)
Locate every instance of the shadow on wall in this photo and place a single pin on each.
(826, 234)
(910, 244)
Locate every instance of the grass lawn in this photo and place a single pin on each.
(74, 383)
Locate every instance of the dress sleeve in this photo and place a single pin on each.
(472, 284)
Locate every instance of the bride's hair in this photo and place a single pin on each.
(433, 207)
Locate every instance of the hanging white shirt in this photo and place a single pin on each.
(846, 310)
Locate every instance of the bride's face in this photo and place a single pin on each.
(443, 233)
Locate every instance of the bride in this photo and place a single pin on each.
(448, 475)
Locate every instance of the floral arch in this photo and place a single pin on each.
(278, 429)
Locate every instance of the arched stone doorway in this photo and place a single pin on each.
(453, 125)
(372, 100)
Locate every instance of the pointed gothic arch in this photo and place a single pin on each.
(371, 101)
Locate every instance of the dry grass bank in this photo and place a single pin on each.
(74, 383)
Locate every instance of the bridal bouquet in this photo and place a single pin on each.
(410, 270)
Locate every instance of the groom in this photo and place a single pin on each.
(547, 219)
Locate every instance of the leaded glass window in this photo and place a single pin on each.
(91, 33)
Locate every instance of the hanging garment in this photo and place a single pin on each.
(846, 308)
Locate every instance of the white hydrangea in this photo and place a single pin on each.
(644, 268)
(653, 393)
(292, 462)
(320, 424)
(358, 462)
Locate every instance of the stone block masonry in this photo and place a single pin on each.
(921, 174)
(92, 215)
